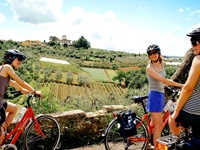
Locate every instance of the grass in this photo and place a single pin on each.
(97, 74)
(111, 73)
(64, 67)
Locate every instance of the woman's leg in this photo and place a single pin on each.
(11, 110)
(158, 125)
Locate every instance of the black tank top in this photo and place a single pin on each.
(4, 83)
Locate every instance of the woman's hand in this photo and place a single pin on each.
(173, 117)
(38, 93)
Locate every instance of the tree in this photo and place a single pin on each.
(47, 73)
(69, 77)
(58, 74)
(83, 80)
(53, 38)
(115, 66)
(81, 43)
(121, 76)
(182, 72)
(136, 78)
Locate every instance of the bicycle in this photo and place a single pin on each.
(40, 133)
(114, 141)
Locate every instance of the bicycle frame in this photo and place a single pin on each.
(150, 127)
(29, 114)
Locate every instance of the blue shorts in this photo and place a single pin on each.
(155, 102)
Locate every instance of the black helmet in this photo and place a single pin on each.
(195, 33)
(11, 54)
(153, 47)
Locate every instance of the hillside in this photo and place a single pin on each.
(87, 78)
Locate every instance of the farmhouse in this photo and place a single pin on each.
(31, 43)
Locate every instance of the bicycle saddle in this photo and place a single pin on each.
(139, 99)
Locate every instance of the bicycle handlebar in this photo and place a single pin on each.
(173, 92)
(33, 96)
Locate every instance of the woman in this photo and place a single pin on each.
(156, 76)
(187, 110)
(13, 59)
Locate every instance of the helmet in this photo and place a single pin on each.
(153, 47)
(195, 33)
(11, 54)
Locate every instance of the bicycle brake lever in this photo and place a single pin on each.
(34, 102)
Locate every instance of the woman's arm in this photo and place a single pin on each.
(19, 83)
(17, 79)
(18, 87)
(150, 71)
(190, 83)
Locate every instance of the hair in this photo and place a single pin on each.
(195, 38)
(160, 58)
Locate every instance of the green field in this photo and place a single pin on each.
(97, 74)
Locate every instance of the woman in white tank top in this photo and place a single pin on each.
(156, 76)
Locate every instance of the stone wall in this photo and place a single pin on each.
(81, 128)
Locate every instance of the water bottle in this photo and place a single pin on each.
(166, 108)
(21, 114)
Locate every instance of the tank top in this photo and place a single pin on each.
(192, 105)
(154, 84)
(4, 83)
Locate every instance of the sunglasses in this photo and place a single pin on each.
(19, 59)
(154, 52)
(194, 43)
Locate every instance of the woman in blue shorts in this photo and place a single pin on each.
(156, 76)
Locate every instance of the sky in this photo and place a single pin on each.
(120, 25)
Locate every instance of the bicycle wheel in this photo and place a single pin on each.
(113, 140)
(51, 130)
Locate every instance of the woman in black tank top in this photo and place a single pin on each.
(13, 59)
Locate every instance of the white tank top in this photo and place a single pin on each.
(154, 84)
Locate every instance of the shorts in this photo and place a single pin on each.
(155, 101)
(187, 119)
(3, 113)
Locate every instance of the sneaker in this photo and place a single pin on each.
(175, 138)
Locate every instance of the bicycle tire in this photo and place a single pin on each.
(113, 140)
(51, 129)
(8, 147)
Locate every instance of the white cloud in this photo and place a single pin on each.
(188, 9)
(36, 11)
(2, 18)
(181, 10)
(104, 31)
(177, 28)
(3, 4)
(195, 26)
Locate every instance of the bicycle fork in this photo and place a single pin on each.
(37, 128)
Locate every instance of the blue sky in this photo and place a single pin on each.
(121, 25)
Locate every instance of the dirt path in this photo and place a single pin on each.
(93, 147)
(100, 147)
